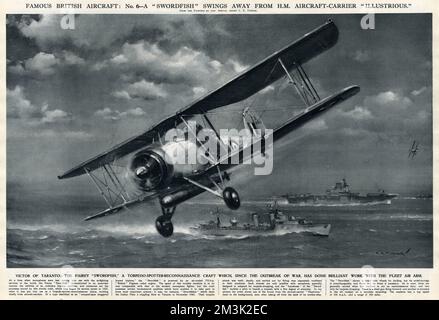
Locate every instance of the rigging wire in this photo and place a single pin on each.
(259, 110)
(251, 105)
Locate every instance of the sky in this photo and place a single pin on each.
(74, 93)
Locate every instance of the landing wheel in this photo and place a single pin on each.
(164, 226)
(231, 198)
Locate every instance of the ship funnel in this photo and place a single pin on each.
(255, 219)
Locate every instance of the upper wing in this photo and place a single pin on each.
(264, 73)
(241, 87)
(288, 126)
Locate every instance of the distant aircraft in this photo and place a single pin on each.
(414, 149)
(173, 183)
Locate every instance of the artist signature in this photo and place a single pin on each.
(393, 253)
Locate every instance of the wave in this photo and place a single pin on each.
(128, 230)
(413, 198)
(419, 217)
(58, 227)
(146, 234)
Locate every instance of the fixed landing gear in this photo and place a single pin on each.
(231, 198)
(163, 224)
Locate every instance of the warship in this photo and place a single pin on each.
(341, 194)
(424, 196)
(272, 222)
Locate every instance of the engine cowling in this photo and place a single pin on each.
(149, 170)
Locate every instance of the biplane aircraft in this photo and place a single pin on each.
(413, 151)
(172, 183)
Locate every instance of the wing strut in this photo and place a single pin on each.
(308, 82)
(101, 191)
(221, 142)
(116, 182)
(109, 186)
(214, 192)
(302, 83)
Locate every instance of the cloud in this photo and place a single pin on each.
(122, 94)
(316, 125)
(109, 114)
(71, 59)
(353, 132)
(98, 66)
(358, 113)
(17, 69)
(419, 91)
(142, 89)
(45, 64)
(95, 32)
(238, 67)
(77, 135)
(149, 72)
(20, 132)
(388, 113)
(45, 31)
(137, 112)
(184, 66)
(361, 56)
(19, 107)
(157, 62)
(54, 116)
(42, 63)
(389, 99)
(198, 91)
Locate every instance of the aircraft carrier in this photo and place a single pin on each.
(272, 222)
(340, 194)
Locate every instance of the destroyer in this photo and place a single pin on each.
(341, 194)
(272, 222)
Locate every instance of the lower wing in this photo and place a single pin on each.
(125, 205)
